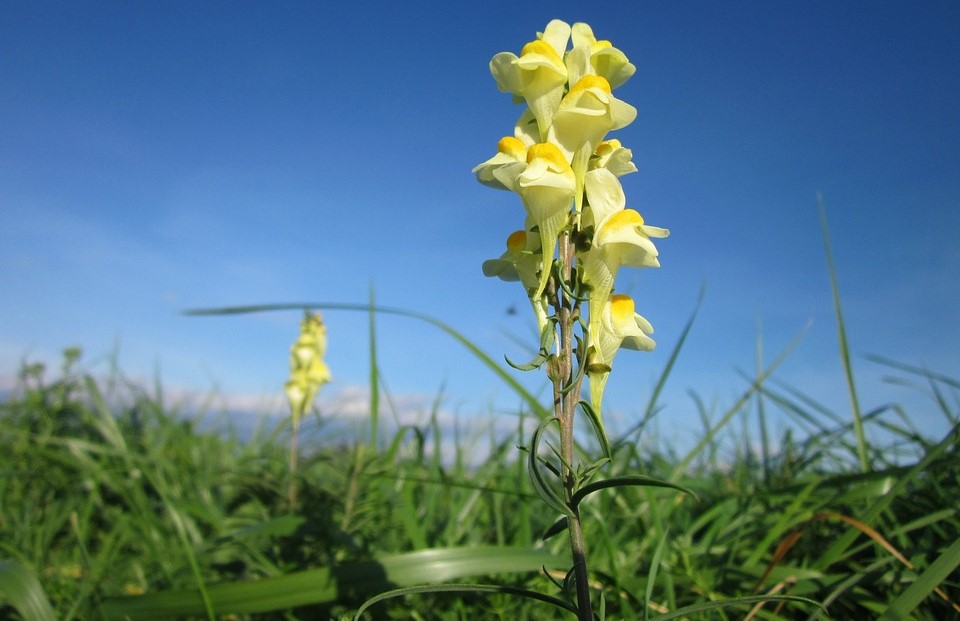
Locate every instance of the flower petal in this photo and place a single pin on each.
(604, 194)
(557, 34)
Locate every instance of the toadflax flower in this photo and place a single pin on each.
(604, 59)
(510, 150)
(619, 326)
(601, 182)
(621, 239)
(613, 156)
(522, 261)
(538, 75)
(585, 116)
(546, 186)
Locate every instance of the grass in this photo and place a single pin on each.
(113, 505)
(127, 510)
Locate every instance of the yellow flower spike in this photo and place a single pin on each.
(604, 59)
(619, 326)
(538, 75)
(510, 150)
(546, 186)
(308, 371)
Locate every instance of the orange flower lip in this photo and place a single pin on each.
(543, 48)
(591, 81)
(512, 146)
(549, 152)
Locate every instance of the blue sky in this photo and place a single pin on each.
(158, 156)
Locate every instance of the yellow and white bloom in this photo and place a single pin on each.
(604, 59)
(601, 181)
(510, 151)
(621, 238)
(619, 326)
(522, 261)
(546, 186)
(613, 156)
(604, 196)
(586, 113)
(539, 75)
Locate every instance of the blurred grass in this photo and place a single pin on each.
(114, 506)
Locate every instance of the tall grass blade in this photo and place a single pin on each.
(915, 472)
(928, 581)
(687, 611)
(489, 362)
(465, 589)
(844, 348)
(761, 411)
(652, 574)
(328, 584)
(662, 380)
(374, 383)
(20, 589)
(707, 439)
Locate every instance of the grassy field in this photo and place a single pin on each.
(112, 506)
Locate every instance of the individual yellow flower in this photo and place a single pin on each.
(538, 75)
(585, 115)
(604, 196)
(613, 156)
(621, 239)
(601, 181)
(619, 326)
(604, 59)
(521, 261)
(510, 150)
(546, 186)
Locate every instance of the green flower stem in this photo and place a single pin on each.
(565, 402)
(292, 487)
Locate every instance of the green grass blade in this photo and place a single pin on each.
(637, 480)
(652, 574)
(489, 362)
(465, 589)
(662, 380)
(708, 438)
(374, 375)
(937, 572)
(21, 589)
(840, 546)
(325, 585)
(844, 347)
(738, 601)
(761, 410)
